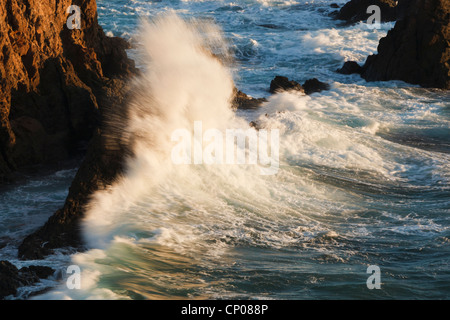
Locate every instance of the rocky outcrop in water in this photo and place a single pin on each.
(417, 49)
(244, 101)
(313, 85)
(12, 278)
(356, 10)
(53, 80)
(280, 83)
(350, 67)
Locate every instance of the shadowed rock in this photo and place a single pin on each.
(56, 86)
(243, 101)
(350, 67)
(12, 278)
(313, 85)
(356, 10)
(280, 83)
(417, 49)
(102, 164)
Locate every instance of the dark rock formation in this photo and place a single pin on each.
(52, 80)
(350, 67)
(40, 272)
(103, 163)
(243, 101)
(314, 85)
(356, 10)
(280, 83)
(56, 86)
(417, 49)
(11, 278)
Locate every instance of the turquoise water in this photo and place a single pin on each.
(363, 180)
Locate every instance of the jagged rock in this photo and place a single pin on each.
(334, 6)
(243, 101)
(12, 278)
(103, 163)
(52, 80)
(356, 10)
(56, 85)
(39, 272)
(417, 49)
(314, 85)
(280, 83)
(9, 279)
(350, 67)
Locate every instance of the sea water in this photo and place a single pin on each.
(363, 177)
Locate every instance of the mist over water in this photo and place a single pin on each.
(363, 178)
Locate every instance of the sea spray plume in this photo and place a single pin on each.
(182, 82)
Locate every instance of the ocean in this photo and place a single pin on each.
(363, 177)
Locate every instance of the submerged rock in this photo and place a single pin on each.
(417, 49)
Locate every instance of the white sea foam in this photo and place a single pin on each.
(352, 43)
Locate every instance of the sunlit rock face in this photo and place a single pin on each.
(53, 78)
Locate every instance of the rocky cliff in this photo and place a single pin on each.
(56, 85)
(53, 79)
(417, 49)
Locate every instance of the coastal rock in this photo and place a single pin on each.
(310, 86)
(52, 80)
(313, 85)
(280, 83)
(356, 10)
(417, 49)
(39, 272)
(12, 278)
(56, 86)
(350, 67)
(9, 279)
(102, 164)
(243, 101)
